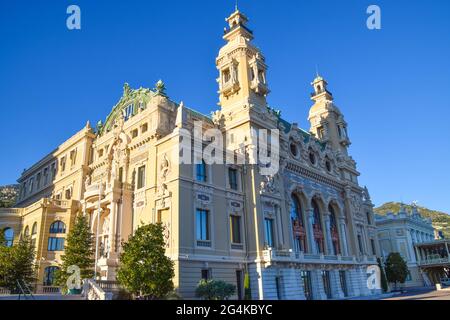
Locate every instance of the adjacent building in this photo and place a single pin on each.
(405, 233)
(307, 231)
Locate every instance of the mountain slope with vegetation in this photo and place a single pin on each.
(8, 195)
(440, 220)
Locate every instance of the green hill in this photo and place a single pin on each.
(440, 220)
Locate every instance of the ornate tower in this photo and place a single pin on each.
(242, 70)
(327, 121)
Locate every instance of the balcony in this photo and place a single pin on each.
(438, 261)
(272, 256)
(92, 191)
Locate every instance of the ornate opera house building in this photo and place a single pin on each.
(306, 232)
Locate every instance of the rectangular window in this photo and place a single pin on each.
(141, 177)
(343, 280)
(239, 284)
(326, 283)
(307, 285)
(45, 176)
(202, 225)
(360, 245)
(232, 177)
(279, 287)
(55, 244)
(206, 274)
(201, 172)
(268, 223)
(235, 222)
(38, 181)
(53, 170)
(31, 185)
(73, 157)
(63, 164)
(134, 133)
(374, 251)
(128, 112)
(144, 128)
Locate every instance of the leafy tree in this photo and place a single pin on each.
(78, 251)
(17, 265)
(2, 238)
(396, 268)
(214, 290)
(145, 270)
(384, 284)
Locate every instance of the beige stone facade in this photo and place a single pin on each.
(305, 231)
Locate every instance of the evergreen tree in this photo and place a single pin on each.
(144, 269)
(78, 251)
(396, 268)
(384, 284)
(17, 266)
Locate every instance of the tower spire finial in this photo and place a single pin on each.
(317, 70)
(236, 6)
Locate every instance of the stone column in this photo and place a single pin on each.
(354, 288)
(363, 282)
(343, 236)
(317, 285)
(336, 288)
(328, 234)
(112, 229)
(279, 226)
(310, 231)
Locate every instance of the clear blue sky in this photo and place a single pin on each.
(392, 85)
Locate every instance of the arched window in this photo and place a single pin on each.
(201, 171)
(317, 227)
(298, 227)
(334, 230)
(49, 275)
(26, 233)
(9, 237)
(58, 227)
(34, 229)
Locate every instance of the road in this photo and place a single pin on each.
(423, 294)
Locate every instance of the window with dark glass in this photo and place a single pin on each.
(317, 227)
(58, 227)
(8, 234)
(235, 229)
(328, 165)
(202, 225)
(360, 244)
(312, 157)
(369, 220)
(49, 275)
(206, 274)
(279, 287)
(326, 283)
(372, 243)
(34, 229)
(201, 171)
(334, 231)
(55, 244)
(298, 224)
(343, 281)
(307, 285)
(141, 177)
(268, 226)
(294, 149)
(232, 177)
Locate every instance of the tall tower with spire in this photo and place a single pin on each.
(327, 121)
(242, 68)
